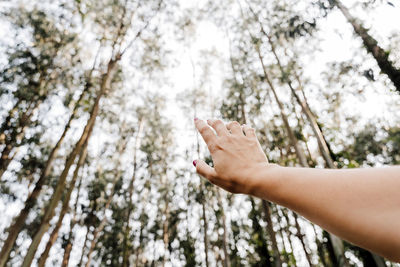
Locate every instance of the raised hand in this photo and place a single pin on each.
(236, 153)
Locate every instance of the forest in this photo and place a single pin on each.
(97, 101)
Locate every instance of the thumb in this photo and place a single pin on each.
(204, 170)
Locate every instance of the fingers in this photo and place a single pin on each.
(235, 128)
(206, 132)
(218, 126)
(210, 174)
(248, 131)
(204, 170)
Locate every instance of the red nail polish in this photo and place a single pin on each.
(194, 163)
(195, 119)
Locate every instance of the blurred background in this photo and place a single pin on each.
(97, 138)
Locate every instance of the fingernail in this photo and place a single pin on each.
(195, 119)
(194, 163)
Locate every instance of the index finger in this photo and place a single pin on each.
(205, 131)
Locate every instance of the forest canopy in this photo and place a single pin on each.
(97, 137)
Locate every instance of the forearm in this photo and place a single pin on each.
(359, 205)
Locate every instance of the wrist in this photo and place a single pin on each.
(266, 181)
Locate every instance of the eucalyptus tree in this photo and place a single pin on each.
(35, 68)
(381, 55)
(118, 45)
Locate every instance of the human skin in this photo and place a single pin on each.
(361, 206)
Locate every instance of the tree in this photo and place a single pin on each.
(371, 44)
(35, 71)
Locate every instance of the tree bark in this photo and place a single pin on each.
(102, 224)
(371, 44)
(64, 208)
(271, 233)
(45, 223)
(121, 148)
(262, 248)
(322, 145)
(336, 242)
(205, 226)
(127, 249)
(301, 237)
(68, 247)
(292, 138)
(19, 221)
(226, 262)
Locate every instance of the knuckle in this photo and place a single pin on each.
(235, 123)
(203, 129)
(218, 123)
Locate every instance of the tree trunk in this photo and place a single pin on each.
(102, 224)
(19, 221)
(271, 233)
(127, 249)
(262, 247)
(121, 148)
(381, 56)
(292, 138)
(64, 208)
(322, 145)
(336, 242)
(226, 262)
(205, 238)
(323, 148)
(282, 214)
(301, 237)
(45, 223)
(68, 247)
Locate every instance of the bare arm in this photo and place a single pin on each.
(358, 205)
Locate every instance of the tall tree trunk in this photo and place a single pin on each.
(226, 262)
(323, 148)
(271, 233)
(101, 226)
(285, 256)
(205, 226)
(127, 248)
(283, 214)
(301, 237)
(19, 221)
(322, 145)
(68, 246)
(292, 138)
(45, 223)
(64, 208)
(320, 249)
(243, 120)
(262, 248)
(336, 242)
(371, 44)
(121, 148)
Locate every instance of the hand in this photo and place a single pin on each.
(236, 153)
